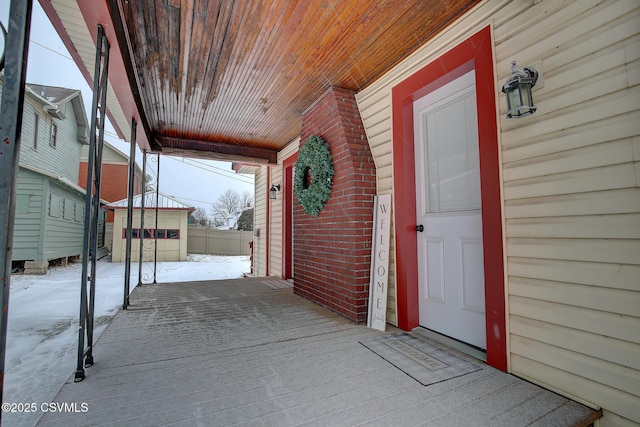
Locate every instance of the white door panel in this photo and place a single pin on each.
(450, 251)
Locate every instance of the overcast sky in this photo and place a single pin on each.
(195, 182)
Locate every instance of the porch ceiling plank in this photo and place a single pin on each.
(243, 72)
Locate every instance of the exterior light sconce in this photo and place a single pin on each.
(518, 90)
(273, 190)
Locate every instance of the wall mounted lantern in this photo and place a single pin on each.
(273, 190)
(518, 90)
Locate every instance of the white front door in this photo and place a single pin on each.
(450, 259)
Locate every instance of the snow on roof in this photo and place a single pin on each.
(52, 94)
(165, 202)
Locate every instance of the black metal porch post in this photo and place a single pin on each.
(144, 188)
(92, 204)
(155, 253)
(132, 165)
(15, 60)
(95, 207)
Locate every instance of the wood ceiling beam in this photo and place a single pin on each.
(216, 150)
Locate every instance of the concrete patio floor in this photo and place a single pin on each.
(250, 352)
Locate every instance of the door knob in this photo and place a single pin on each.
(420, 228)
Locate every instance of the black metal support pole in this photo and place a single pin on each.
(95, 206)
(144, 189)
(92, 203)
(15, 57)
(132, 166)
(155, 253)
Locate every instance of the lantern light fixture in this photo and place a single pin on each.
(273, 190)
(518, 91)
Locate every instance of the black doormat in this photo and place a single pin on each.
(420, 360)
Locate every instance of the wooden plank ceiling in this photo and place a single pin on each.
(232, 78)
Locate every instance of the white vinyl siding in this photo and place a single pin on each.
(61, 160)
(275, 233)
(571, 190)
(70, 14)
(260, 223)
(110, 155)
(276, 249)
(288, 151)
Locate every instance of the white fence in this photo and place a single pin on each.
(210, 241)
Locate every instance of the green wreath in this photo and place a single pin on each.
(313, 173)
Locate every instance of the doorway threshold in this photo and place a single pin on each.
(462, 347)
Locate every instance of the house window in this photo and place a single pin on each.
(36, 125)
(150, 233)
(79, 212)
(56, 207)
(68, 209)
(135, 233)
(22, 204)
(54, 135)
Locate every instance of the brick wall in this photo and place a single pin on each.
(332, 252)
(114, 183)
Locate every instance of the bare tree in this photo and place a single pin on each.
(201, 217)
(228, 206)
(247, 200)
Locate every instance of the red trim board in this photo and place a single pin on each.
(473, 53)
(287, 219)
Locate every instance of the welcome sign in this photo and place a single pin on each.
(378, 285)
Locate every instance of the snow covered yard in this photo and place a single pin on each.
(42, 331)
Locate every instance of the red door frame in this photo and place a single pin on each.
(474, 53)
(287, 220)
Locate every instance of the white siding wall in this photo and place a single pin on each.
(288, 151)
(275, 250)
(260, 223)
(108, 235)
(571, 178)
(110, 155)
(61, 160)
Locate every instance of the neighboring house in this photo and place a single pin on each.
(552, 286)
(171, 232)
(231, 221)
(115, 180)
(50, 206)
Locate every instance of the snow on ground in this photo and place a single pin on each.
(42, 330)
